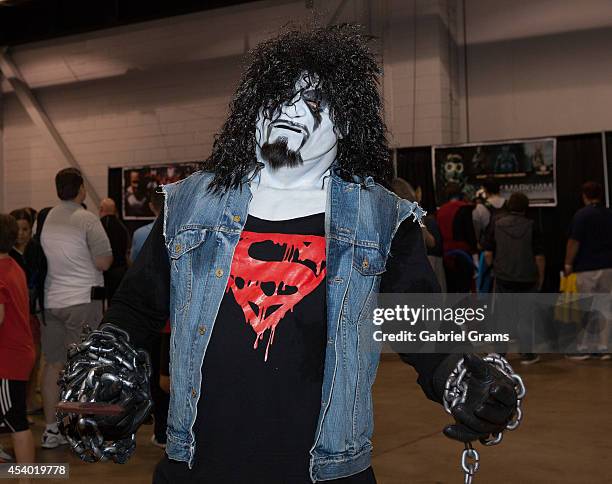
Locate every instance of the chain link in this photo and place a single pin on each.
(470, 462)
(455, 392)
(104, 361)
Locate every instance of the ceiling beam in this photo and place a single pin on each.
(336, 15)
(40, 119)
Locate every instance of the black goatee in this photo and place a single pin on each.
(279, 155)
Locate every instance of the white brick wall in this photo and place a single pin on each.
(158, 91)
(417, 84)
(534, 68)
(539, 67)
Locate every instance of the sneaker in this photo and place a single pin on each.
(578, 356)
(5, 457)
(529, 359)
(156, 443)
(51, 440)
(602, 356)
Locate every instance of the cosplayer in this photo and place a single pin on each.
(266, 263)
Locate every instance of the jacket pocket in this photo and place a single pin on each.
(369, 261)
(186, 240)
(180, 250)
(368, 265)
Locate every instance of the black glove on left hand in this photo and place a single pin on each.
(105, 368)
(490, 404)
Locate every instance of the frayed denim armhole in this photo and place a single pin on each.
(404, 210)
(407, 209)
(418, 213)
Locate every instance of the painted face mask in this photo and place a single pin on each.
(298, 131)
(297, 143)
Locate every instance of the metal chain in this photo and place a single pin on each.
(470, 462)
(104, 360)
(455, 391)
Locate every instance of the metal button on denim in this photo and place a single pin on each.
(193, 393)
(236, 218)
(365, 264)
(177, 247)
(219, 272)
(202, 330)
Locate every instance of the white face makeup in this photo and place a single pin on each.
(303, 122)
(297, 144)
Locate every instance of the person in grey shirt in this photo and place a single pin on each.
(77, 251)
(482, 213)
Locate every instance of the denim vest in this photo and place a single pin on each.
(201, 231)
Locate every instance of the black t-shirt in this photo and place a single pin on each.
(592, 227)
(264, 361)
(20, 259)
(263, 370)
(119, 238)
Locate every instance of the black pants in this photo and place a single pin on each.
(459, 271)
(13, 415)
(170, 472)
(161, 400)
(112, 279)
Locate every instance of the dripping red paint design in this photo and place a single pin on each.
(271, 273)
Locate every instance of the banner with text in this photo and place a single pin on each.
(526, 166)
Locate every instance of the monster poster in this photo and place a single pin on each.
(140, 182)
(526, 166)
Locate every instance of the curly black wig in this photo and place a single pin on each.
(348, 73)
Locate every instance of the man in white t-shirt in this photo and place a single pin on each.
(78, 251)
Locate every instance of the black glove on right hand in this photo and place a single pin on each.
(490, 405)
(105, 368)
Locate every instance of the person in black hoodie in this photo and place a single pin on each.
(513, 246)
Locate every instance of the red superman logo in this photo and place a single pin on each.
(271, 273)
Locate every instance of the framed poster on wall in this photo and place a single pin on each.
(527, 166)
(139, 183)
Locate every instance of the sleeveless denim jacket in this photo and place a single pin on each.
(201, 231)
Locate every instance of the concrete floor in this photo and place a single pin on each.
(566, 436)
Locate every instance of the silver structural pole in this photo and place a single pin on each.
(2, 177)
(336, 15)
(605, 168)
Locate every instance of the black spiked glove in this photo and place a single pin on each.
(105, 368)
(490, 404)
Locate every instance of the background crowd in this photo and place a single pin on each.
(490, 245)
(60, 267)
